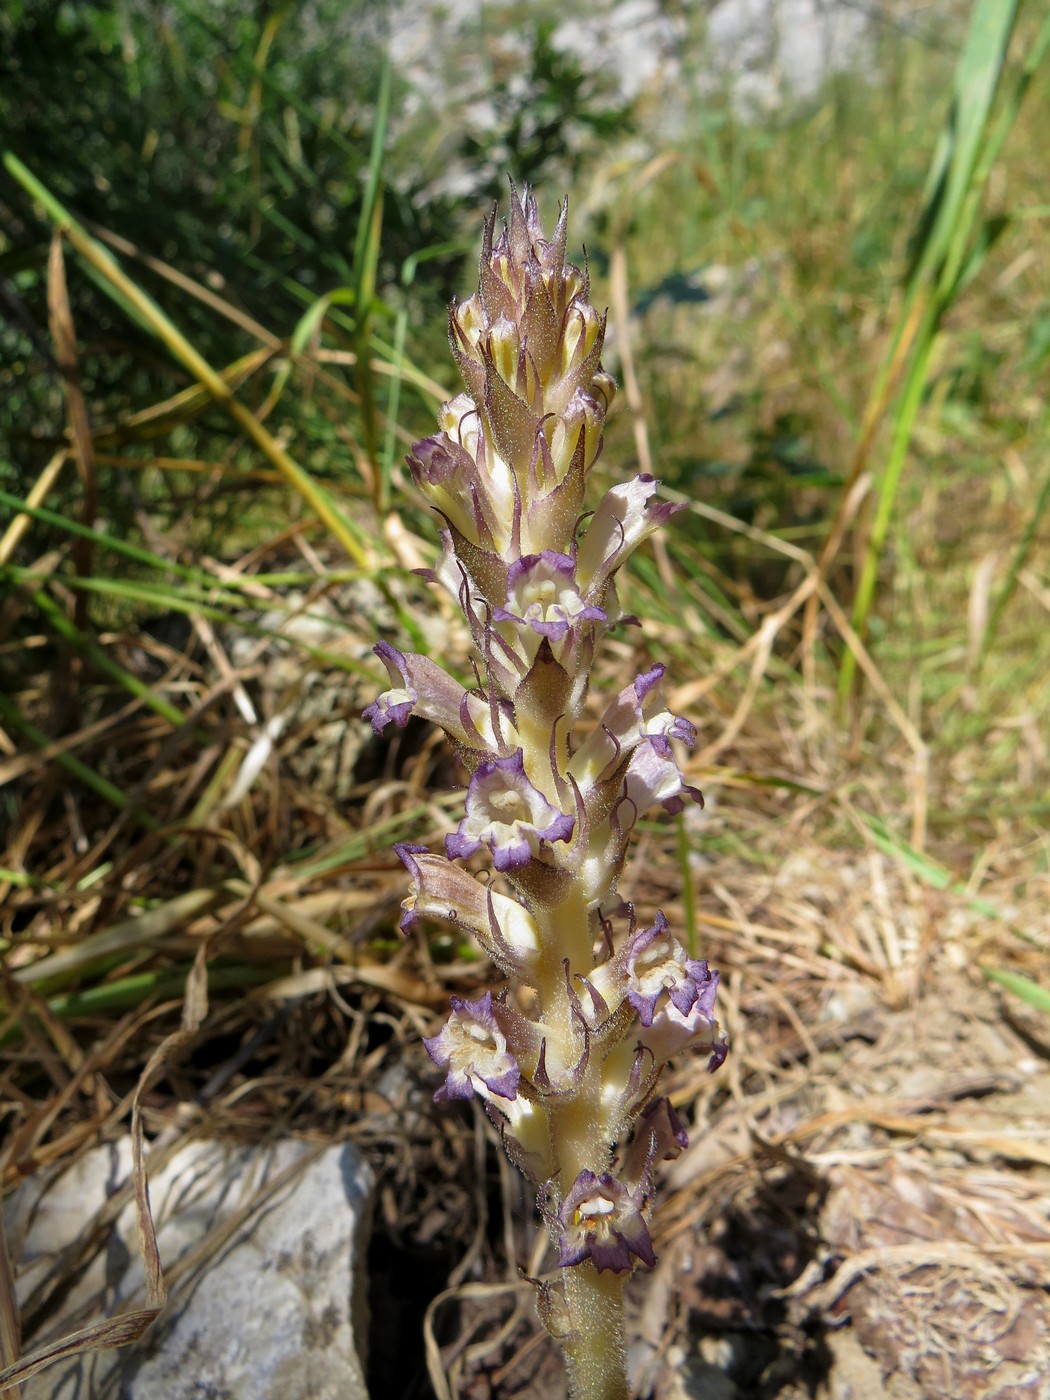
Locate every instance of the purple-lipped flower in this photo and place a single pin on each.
(656, 963)
(543, 600)
(601, 1220)
(653, 776)
(697, 1031)
(506, 813)
(473, 1049)
(636, 714)
(422, 688)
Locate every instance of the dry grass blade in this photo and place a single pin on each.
(15, 532)
(63, 336)
(130, 1326)
(100, 1336)
(10, 1330)
(140, 932)
(482, 1291)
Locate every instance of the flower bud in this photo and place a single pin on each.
(441, 890)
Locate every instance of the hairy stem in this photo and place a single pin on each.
(581, 1139)
(595, 1351)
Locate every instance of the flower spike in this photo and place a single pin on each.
(568, 1056)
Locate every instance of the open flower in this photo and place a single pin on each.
(624, 519)
(635, 715)
(473, 1048)
(655, 962)
(507, 814)
(601, 1220)
(542, 595)
(673, 1032)
(654, 776)
(651, 971)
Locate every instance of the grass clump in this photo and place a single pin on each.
(206, 525)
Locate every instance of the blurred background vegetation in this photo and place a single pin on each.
(831, 320)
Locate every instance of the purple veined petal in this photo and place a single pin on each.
(665, 726)
(555, 631)
(423, 688)
(393, 706)
(510, 854)
(634, 716)
(654, 777)
(506, 813)
(542, 593)
(472, 1048)
(706, 979)
(655, 963)
(441, 890)
(448, 477)
(671, 1034)
(673, 994)
(459, 847)
(644, 1005)
(601, 1220)
(668, 1129)
(624, 518)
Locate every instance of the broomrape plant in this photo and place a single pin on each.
(534, 574)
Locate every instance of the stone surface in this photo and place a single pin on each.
(466, 65)
(266, 1296)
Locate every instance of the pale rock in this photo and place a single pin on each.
(276, 1309)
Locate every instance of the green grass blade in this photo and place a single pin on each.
(366, 263)
(951, 176)
(1022, 987)
(345, 531)
(960, 169)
